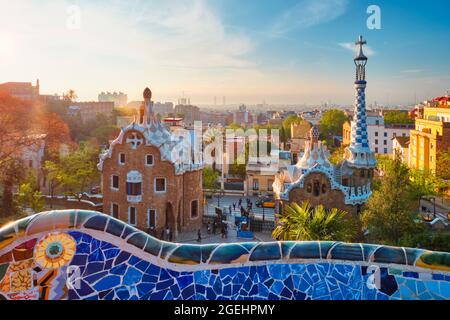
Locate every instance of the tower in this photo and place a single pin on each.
(358, 154)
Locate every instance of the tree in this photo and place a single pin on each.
(75, 172)
(443, 164)
(11, 173)
(286, 126)
(27, 197)
(337, 155)
(70, 95)
(56, 132)
(210, 178)
(331, 123)
(306, 223)
(396, 117)
(239, 170)
(15, 127)
(105, 133)
(390, 215)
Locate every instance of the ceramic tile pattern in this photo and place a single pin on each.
(115, 261)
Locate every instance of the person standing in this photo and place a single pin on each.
(167, 233)
(214, 227)
(199, 235)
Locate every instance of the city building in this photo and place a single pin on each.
(152, 178)
(32, 157)
(430, 136)
(163, 109)
(21, 90)
(400, 148)
(347, 185)
(261, 174)
(89, 110)
(299, 136)
(119, 98)
(379, 134)
(242, 116)
(189, 112)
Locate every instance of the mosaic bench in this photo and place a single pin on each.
(78, 254)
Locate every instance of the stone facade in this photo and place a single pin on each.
(145, 185)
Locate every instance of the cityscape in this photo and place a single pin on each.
(236, 175)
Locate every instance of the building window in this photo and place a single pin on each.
(194, 209)
(377, 122)
(385, 150)
(148, 160)
(255, 184)
(151, 218)
(160, 184)
(376, 150)
(121, 158)
(316, 189)
(115, 210)
(376, 141)
(345, 182)
(385, 134)
(270, 185)
(403, 134)
(134, 188)
(385, 142)
(376, 133)
(115, 182)
(132, 216)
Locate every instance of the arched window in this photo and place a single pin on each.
(316, 188)
(134, 186)
(309, 188)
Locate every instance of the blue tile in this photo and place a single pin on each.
(107, 282)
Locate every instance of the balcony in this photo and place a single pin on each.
(134, 198)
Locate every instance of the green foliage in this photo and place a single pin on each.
(238, 169)
(286, 126)
(210, 179)
(104, 133)
(234, 126)
(331, 123)
(75, 172)
(337, 155)
(305, 223)
(390, 214)
(443, 165)
(28, 197)
(397, 117)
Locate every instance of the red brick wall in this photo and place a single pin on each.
(166, 202)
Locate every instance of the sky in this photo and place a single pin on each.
(251, 51)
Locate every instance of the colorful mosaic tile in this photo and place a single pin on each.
(72, 256)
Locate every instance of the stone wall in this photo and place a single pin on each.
(76, 254)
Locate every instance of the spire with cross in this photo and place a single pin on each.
(358, 153)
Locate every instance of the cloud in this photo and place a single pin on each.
(308, 13)
(412, 71)
(174, 44)
(368, 51)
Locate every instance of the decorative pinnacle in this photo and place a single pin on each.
(147, 94)
(360, 55)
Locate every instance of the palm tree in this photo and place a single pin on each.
(306, 223)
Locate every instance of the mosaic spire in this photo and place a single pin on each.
(358, 153)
